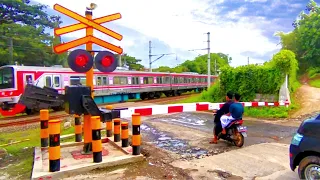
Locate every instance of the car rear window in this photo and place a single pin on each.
(310, 127)
(301, 129)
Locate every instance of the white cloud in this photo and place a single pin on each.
(173, 22)
(256, 0)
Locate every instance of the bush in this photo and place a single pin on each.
(313, 72)
(250, 80)
(256, 79)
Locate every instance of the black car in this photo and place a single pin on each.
(305, 149)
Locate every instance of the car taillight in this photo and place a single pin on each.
(291, 155)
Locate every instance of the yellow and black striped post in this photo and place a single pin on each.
(96, 139)
(136, 139)
(124, 134)
(44, 133)
(54, 145)
(109, 123)
(77, 128)
(116, 130)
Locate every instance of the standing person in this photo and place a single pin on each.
(223, 110)
(236, 111)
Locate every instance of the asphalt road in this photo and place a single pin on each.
(177, 146)
(264, 155)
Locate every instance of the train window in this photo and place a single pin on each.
(56, 81)
(104, 80)
(159, 80)
(185, 80)
(48, 81)
(77, 80)
(74, 80)
(167, 80)
(147, 80)
(83, 80)
(181, 79)
(120, 80)
(6, 77)
(176, 80)
(134, 80)
(28, 79)
(99, 81)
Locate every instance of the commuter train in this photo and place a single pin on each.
(117, 86)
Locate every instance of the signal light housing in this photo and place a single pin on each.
(105, 61)
(80, 61)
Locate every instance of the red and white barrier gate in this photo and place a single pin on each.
(187, 107)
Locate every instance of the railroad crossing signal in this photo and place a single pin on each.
(81, 60)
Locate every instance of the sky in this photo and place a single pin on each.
(239, 28)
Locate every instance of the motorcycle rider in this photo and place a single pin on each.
(223, 110)
(236, 111)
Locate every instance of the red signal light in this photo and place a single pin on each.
(105, 61)
(80, 61)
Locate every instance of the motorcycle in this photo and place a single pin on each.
(235, 133)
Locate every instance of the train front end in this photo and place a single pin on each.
(9, 94)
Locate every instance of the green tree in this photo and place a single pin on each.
(199, 64)
(19, 11)
(304, 40)
(131, 62)
(22, 26)
(163, 69)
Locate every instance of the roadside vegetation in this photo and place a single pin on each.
(299, 56)
(20, 155)
(314, 76)
(250, 80)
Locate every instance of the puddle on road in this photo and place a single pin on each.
(167, 142)
(198, 121)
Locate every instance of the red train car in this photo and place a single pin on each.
(117, 86)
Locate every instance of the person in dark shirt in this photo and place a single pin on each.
(236, 111)
(223, 110)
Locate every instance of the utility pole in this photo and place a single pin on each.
(119, 60)
(248, 60)
(209, 63)
(150, 57)
(10, 50)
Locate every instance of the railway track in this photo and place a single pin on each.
(29, 121)
(25, 119)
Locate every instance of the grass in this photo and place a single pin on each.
(315, 83)
(266, 112)
(256, 112)
(22, 153)
(314, 77)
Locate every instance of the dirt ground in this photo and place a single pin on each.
(159, 163)
(309, 99)
(156, 166)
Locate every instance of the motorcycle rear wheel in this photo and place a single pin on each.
(239, 141)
